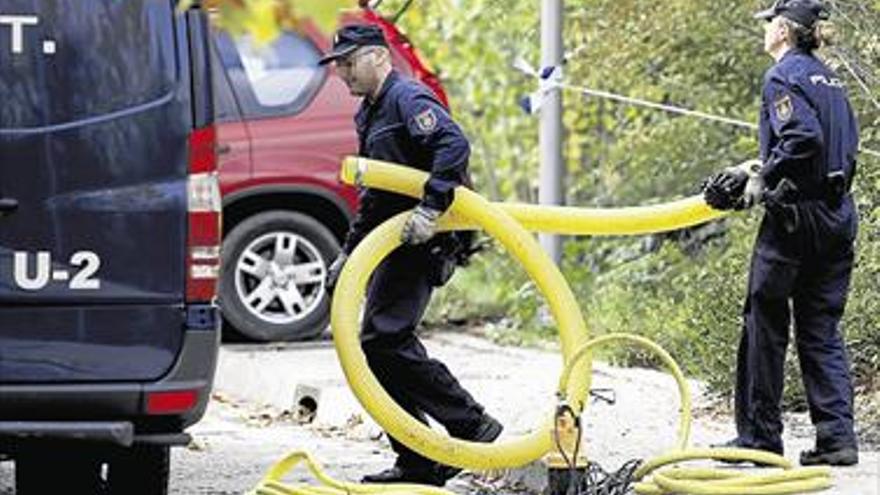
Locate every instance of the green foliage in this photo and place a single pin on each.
(491, 290)
(684, 290)
(263, 18)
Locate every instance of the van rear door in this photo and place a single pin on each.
(95, 117)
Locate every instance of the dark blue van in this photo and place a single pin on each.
(109, 240)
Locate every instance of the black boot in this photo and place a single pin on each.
(399, 474)
(486, 432)
(845, 456)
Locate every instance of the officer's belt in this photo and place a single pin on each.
(825, 193)
(827, 198)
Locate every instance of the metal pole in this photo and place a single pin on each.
(551, 172)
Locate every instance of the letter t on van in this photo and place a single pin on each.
(18, 22)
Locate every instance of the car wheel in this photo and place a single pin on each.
(274, 266)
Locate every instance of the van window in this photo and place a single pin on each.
(84, 59)
(277, 79)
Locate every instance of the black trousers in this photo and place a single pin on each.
(397, 296)
(804, 277)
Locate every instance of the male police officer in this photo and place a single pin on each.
(401, 121)
(803, 255)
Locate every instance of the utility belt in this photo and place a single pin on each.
(786, 196)
(832, 191)
(450, 250)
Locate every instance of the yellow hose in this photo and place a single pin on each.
(569, 220)
(505, 223)
(272, 483)
(684, 425)
(345, 311)
(510, 225)
(703, 481)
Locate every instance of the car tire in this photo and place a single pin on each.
(295, 306)
(140, 470)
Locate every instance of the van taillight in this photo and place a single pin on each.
(171, 402)
(203, 196)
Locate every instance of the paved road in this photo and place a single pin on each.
(516, 385)
(249, 424)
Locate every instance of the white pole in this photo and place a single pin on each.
(551, 175)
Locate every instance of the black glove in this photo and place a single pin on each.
(333, 272)
(724, 190)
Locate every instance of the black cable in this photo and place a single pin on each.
(574, 476)
(597, 481)
(594, 480)
(599, 394)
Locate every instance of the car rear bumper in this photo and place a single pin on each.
(112, 412)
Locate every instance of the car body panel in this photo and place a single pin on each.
(78, 137)
(305, 148)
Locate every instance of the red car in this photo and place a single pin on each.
(284, 124)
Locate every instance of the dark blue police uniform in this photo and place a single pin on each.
(406, 124)
(808, 135)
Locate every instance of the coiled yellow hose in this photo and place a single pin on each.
(704, 481)
(510, 225)
(345, 311)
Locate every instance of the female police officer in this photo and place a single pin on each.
(803, 255)
(401, 121)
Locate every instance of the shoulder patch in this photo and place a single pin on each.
(783, 107)
(426, 121)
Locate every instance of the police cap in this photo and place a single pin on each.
(349, 38)
(803, 12)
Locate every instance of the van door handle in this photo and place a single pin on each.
(8, 206)
(223, 149)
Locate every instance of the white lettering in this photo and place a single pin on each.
(90, 263)
(86, 262)
(22, 279)
(834, 82)
(17, 22)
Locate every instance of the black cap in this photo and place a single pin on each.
(803, 12)
(349, 38)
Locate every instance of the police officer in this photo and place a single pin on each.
(803, 255)
(401, 121)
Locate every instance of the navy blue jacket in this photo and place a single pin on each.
(406, 124)
(807, 127)
(807, 131)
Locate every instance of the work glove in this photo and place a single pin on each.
(723, 190)
(735, 188)
(420, 226)
(333, 272)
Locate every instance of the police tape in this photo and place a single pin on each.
(510, 225)
(550, 78)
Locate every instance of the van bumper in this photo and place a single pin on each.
(113, 412)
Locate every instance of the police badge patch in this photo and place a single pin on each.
(426, 121)
(784, 108)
